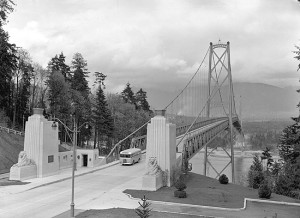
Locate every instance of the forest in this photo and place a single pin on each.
(62, 90)
(262, 134)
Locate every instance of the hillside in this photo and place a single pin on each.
(266, 102)
(10, 147)
(259, 101)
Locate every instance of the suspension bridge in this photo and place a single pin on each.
(203, 110)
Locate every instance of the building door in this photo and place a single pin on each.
(85, 160)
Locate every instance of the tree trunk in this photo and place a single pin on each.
(95, 138)
(16, 102)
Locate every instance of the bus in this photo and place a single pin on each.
(130, 156)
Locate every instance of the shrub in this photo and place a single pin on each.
(255, 174)
(255, 178)
(283, 185)
(180, 185)
(264, 190)
(145, 211)
(180, 194)
(223, 179)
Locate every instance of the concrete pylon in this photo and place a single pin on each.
(161, 143)
(41, 143)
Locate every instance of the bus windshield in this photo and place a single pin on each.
(125, 155)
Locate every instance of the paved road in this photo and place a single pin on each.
(101, 189)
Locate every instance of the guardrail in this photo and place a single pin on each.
(8, 130)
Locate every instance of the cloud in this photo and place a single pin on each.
(150, 43)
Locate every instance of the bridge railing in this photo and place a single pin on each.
(196, 142)
(182, 129)
(141, 141)
(8, 130)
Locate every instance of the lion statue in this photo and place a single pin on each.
(23, 160)
(152, 167)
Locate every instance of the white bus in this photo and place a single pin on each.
(130, 156)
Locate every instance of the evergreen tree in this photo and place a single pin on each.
(57, 63)
(80, 93)
(268, 157)
(289, 151)
(59, 96)
(297, 52)
(141, 100)
(101, 115)
(21, 86)
(24, 94)
(128, 95)
(8, 60)
(126, 118)
(80, 73)
(145, 211)
(255, 174)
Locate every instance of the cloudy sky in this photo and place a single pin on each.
(157, 44)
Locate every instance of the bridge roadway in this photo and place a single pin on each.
(98, 190)
(196, 132)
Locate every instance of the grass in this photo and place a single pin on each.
(10, 147)
(122, 212)
(206, 191)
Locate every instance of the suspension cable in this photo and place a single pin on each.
(188, 82)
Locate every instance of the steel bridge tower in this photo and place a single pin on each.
(221, 61)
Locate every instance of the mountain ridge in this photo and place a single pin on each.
(259, 101)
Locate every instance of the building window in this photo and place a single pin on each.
(50, 158)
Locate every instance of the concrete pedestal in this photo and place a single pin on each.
(41, 143)
(23, 173)
(161, 143)
(152, 182)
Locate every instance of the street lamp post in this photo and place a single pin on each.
(74, 166)
(23, 123)
(75, 132)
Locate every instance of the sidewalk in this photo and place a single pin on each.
(62, 175)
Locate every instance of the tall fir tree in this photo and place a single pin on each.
(8, 60)
(297, 52)
(80, 93)
(289, 150)
(58, 63)
(141, 100)
(128, 95)
(80, 73)
(59, 96)
(102, 118)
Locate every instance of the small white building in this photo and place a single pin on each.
(41, 145)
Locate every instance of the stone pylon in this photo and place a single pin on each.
(161, 143)
(41, 143)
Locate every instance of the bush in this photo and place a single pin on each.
(180, 194)
(180, 185)
(223, 179)
(264, 190)
(255, 178)
(283, 185)
(144, 212)
(255, 174)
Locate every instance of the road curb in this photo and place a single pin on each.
(81, 174)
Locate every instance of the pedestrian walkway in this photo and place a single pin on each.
(62, 175)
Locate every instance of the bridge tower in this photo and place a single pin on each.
(225, 67)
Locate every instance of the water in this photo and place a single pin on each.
(219, 160)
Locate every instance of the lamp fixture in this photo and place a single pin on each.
(54, 125)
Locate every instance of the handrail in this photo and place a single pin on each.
(8, 130)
